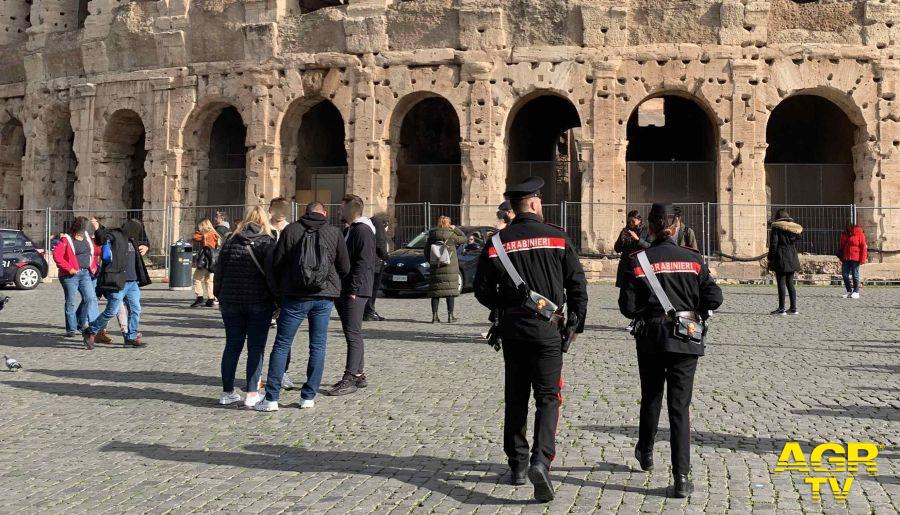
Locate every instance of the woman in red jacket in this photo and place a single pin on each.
(78, 259)
(853, 253)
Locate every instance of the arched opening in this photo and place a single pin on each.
(123, 157)
(82, 12)
(428, 155)
(671, 157)
(318, 155)
(543, 141)
(809, 167)
(12, 150)
(226, 177)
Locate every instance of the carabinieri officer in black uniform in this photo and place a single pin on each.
(533, 341)
(668, 344)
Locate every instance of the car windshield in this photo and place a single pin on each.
(418, 242)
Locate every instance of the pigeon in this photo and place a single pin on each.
(12, 364)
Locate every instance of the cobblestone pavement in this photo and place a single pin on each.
(134, 430)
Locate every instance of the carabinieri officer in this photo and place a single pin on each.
(664, 354)
(532, 339)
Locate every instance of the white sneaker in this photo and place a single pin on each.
(229, 398)
(286, 383)
(854, 295)
(307, 403)
(265, 405)
(253, 398)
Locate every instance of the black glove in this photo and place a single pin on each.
(493, 334)
(568, 331)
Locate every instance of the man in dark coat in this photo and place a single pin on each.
(357, 287)
(533, 347)
(121, 279)
(381, 253)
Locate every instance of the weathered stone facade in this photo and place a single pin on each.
(164, 70)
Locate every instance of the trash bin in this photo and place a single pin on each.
(180, 255)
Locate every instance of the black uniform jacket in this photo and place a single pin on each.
(547, 262)
(686, 281)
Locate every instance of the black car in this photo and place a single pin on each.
(407, 272)
(23, 263)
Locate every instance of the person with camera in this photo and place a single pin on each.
(525, 274)
(669, 291)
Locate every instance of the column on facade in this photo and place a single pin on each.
(481, 147)
(741, 217)
(368, 154)
(877, 184)
(262, 154)
(82, 115)
(603, 189)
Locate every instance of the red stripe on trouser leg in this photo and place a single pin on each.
(558, 410)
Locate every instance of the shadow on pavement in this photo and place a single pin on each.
(113, 392)
(446, 476)
(888, 413)
(133, 376)
(755, 444)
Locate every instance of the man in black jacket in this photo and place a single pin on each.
(360, 238)
(532, 346)
(121, 280)
(381, 252)
(301, 299)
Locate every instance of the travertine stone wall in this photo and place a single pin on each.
(177, 63)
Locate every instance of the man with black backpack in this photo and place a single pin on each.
(307, 265)
(360, 238)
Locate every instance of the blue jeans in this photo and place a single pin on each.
(130, 294)
(250, 323)
(293, 312)
(87, 310)
(849, 268)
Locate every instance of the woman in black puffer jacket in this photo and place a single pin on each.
(783, 258)
(245, 300)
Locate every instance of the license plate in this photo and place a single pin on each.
(399, 278)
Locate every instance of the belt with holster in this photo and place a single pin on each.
(690, 315)
(556, 318)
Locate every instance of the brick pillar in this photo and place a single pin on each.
(82, 116)
(603, 188)
(742, 215)
(482, 150)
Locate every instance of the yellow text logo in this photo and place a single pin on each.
(828, 463)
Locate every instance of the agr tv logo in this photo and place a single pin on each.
(827, 461)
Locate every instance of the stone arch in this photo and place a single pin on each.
(424, 137)
(121, 167)
(12, 152)
(672, 149)
(197, 137)
(543, 131)
(312, 136)
(812, 160)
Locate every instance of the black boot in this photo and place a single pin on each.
(644, 458)
(682, 487)
(197, 303)
(450, 317)
(517, 475)
(434, 318)
(539, 475)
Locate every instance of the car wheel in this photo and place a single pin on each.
(27, 278)
(462, 283)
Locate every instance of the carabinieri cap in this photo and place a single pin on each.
(530, 187)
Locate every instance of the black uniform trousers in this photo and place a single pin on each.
(531, 365)
(676, 370)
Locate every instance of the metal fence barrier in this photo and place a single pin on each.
(719, 228)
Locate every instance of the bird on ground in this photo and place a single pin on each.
(12, 364)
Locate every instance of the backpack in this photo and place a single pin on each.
(439, 255)
(312, 270)
(207, 258)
